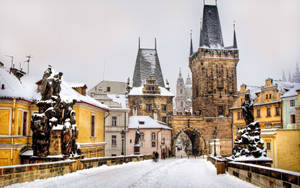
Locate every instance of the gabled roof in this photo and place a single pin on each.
(27, 89)
(147, 63)
(211, 33)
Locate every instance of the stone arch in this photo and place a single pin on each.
(198, 141)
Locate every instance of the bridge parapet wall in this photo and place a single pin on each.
(264, 176)
(30, 172)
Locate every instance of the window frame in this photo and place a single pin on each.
(114, 121)
(153, 136)
(113, 140)
(93, 125)
(268, 112)
(148, 107)
(292, 118)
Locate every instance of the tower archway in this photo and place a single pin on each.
(195, 143)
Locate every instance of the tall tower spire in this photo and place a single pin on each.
(211, 33)
(139, 43)
(191, 47)
(234, 37)
(155, 43)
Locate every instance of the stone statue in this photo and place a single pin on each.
(247, 109)
(55, 120)
(137, 137)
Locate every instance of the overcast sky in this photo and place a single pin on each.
(89, 40)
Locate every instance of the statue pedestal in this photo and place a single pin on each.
(55, 141)
(136, 149)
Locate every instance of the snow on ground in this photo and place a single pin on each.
(187, 173)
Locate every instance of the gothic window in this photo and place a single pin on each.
(148, 107)
(113, 121)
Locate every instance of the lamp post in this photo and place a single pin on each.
(215, 136)
(123, 138)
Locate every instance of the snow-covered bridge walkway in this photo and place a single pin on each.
(181, 173)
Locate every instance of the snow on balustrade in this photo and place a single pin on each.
(165, 173)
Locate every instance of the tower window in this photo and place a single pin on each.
(148, 107)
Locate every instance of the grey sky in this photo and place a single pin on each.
(90, 40)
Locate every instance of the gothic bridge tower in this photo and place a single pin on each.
(213, 68)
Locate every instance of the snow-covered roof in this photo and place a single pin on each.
(136, 91)
(283, 87)
(145, 122)
(120, 99)
(292, 92)
(14, 88)
(76, 85)
(27, 89)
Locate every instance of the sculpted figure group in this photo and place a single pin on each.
(53, 113)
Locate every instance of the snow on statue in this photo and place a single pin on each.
(54, 127)
(248, 144)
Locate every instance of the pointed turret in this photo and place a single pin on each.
(296, 78)
(191, 46)
(180, 79)
(211, 33)
(234, 38)
(147, 63)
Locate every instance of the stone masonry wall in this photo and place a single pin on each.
(30, 172)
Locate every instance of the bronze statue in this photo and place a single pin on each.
(247, 109)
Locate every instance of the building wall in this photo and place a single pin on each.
(262, 102)
(12, 139)
(137, 104)
(287, 111)
(91, 146)
(146, 143)
(214, 81)
(122, 123)
(285, 148)
(102, 88)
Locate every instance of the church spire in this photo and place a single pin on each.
(155, 43)
(139, 43)
(191, 46)
(234, 37)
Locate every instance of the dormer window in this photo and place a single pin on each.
(141, 122)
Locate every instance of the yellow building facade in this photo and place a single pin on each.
(283, 145)
(16, 109)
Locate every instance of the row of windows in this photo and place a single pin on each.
(149, 108)
(258, 113)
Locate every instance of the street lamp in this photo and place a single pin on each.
(215, 136)
(123, 138)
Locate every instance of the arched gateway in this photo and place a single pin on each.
(198, 143)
